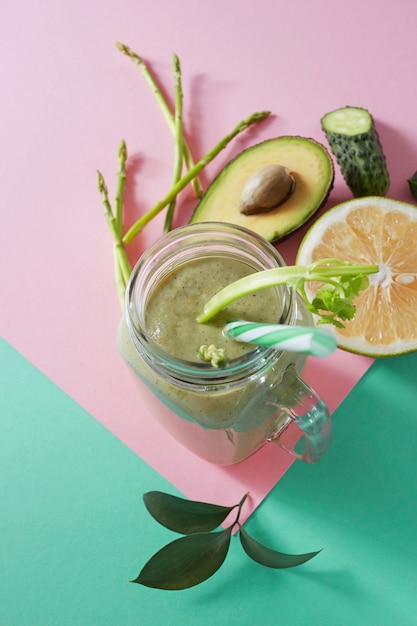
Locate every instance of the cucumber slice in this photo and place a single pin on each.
(355, 143)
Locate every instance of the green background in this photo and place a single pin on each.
(74, 530)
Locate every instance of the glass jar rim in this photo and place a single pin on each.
(211, 239)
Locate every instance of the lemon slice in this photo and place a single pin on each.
(372, 230)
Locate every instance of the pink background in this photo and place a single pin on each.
(69, 96)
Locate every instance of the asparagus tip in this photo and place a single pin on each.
(129, 52)
(101, 182)
(122, 47)
(176, 62)
(122, 154)
(261, 115)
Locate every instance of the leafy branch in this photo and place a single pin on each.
(195, 557)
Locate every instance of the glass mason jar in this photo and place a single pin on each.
(223, 414)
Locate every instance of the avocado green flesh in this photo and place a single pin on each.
(311, 166)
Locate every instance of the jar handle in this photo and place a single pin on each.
(300, 405)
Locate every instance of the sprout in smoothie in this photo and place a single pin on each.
(333, 302)
(212, 354)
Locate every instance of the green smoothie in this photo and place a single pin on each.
(172, 310)
(225, 413)
(170, 320)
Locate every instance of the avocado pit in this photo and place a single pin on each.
(266, 189)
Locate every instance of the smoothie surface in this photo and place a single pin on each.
(174, 306)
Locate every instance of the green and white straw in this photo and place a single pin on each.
(304, 339)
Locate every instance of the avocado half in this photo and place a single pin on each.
(313, 171)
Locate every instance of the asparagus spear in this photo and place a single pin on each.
(146, 73)
(122, 266)
(121, 180)
(190, 175)
(179, 141)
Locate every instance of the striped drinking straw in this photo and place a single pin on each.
(304, 339)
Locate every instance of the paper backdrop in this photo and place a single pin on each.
(68, 98)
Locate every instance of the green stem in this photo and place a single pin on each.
(189, 163)
(179, 141)
(179, 186)
(240, 505)
(295, 275)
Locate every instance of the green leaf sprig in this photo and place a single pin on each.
(195, 557)
(333, 302)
